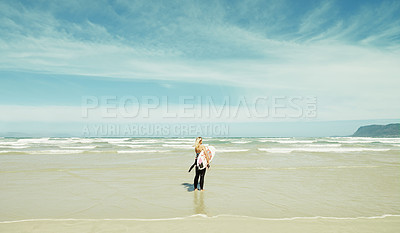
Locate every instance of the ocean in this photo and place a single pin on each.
(327, 184)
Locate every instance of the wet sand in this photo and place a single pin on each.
(254, 185)
(202, 224)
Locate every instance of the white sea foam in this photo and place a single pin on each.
(14, 143)
(14, 147)
(45, 141)
(391, 142)
(141, 151)
(33, 140)
(179, 142)
(288, 141)
(100, 151)
(361, 140)
(83, 140)
(39, 152)
(296, 141)
(353, 141)
(144, 141)
(55, 152)
(231, 150)
(182, 139)
(77, 147)
(196, 216)
(305, 217)
(132, 146)
(178, 146)
(272, 139)
(119, 142)
(322, 149)
(113, 139)
(240, 142)
(323, 145)
(5, 151)
(224, 140)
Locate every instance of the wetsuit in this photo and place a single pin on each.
(199, 174)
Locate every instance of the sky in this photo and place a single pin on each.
(273, 68)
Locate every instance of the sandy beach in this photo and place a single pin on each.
(201, 224)
(254, 184)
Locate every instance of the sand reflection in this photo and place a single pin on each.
(198, 201)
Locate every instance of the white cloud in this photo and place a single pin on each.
(312, 21)
(200, 46)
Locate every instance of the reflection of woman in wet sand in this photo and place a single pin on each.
(198, 147)
(199, 207)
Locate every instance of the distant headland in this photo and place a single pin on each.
(390, 130)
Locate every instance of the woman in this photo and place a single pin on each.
(198, 147)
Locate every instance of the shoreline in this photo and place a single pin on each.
(200, 223)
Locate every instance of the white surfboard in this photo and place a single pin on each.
(201, 159)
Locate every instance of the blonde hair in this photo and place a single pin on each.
(197, 142)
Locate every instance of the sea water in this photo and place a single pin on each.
(147, 179)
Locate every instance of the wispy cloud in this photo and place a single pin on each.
(316, 18)
(262, 46)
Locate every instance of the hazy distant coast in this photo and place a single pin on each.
(390, 130)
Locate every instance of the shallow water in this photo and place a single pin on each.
(147, 178)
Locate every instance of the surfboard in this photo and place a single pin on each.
(201, 159)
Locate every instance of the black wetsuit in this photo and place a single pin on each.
(199, 174)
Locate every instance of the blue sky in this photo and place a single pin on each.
(345, 53)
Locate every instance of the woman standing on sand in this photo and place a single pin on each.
(198, 147)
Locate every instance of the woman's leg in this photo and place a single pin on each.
(196, 178)
(203, 173)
